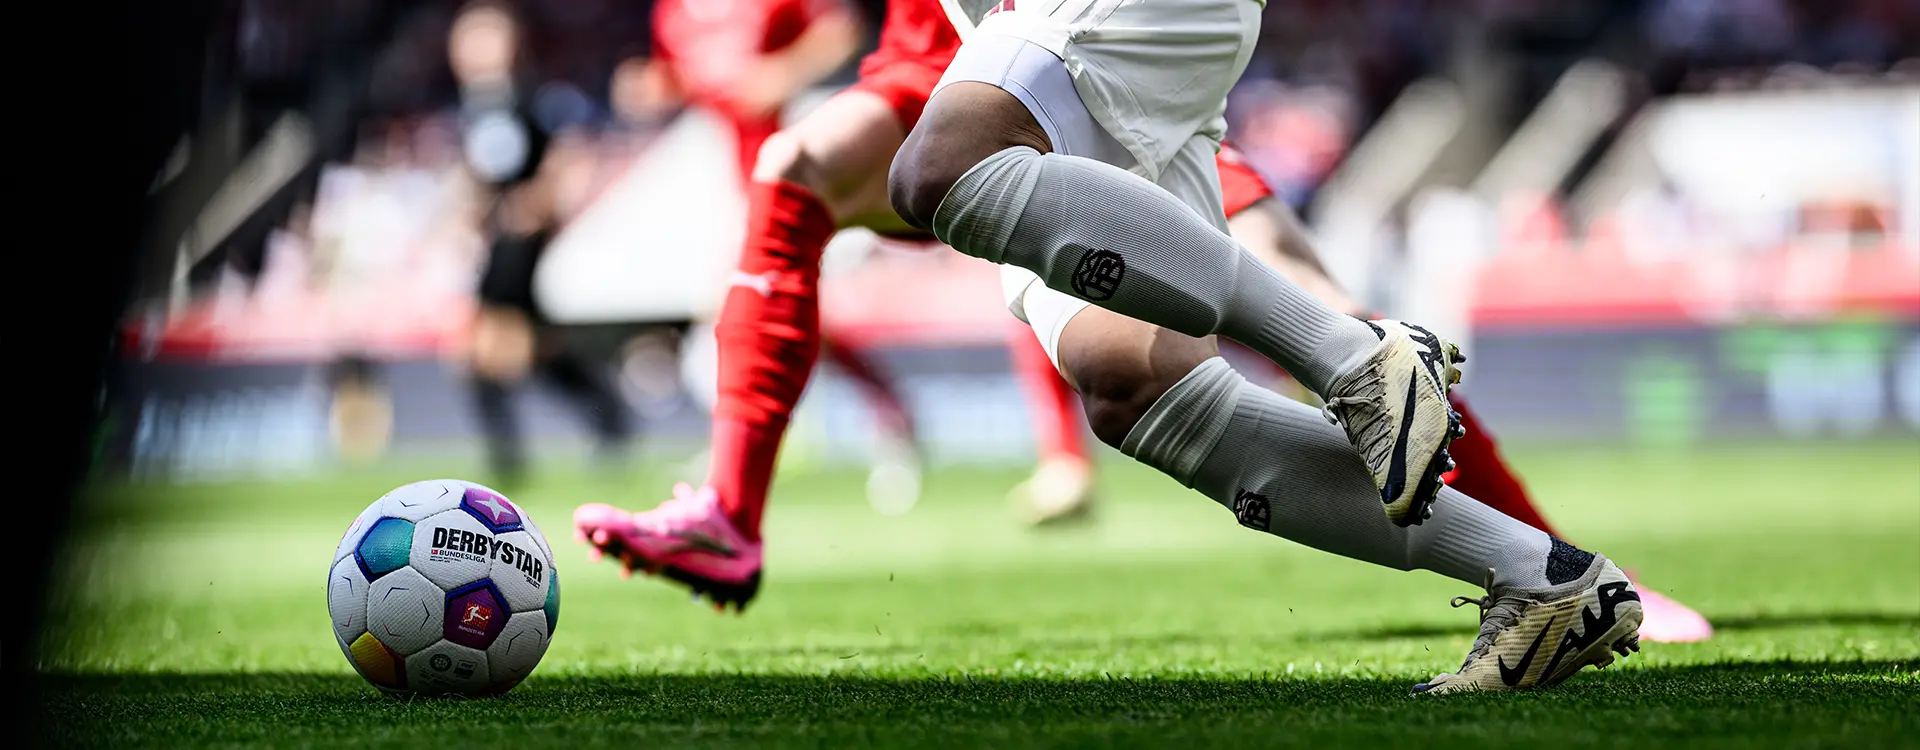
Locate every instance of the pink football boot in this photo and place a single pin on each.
(687, 539)
(1668, 621)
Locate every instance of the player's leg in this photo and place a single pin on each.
(590, 390)
(825, 172)
(1168, 401)
(1271, 231)
(979, 171)
(889, 410)
(1061, 487)
(1484, 474)
(501, 350)
(502, 347)
(810, 180)
(361, 415)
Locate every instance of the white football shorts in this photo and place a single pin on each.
(1139, 84)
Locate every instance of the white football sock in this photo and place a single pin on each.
(1115, 239)
(1282, 469)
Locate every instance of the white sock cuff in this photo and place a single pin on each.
(1180, 430)
(979, 213)
(1046, 310)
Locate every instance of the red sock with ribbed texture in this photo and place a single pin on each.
(769, 338)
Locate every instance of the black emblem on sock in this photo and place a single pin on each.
(1566, 562)
(1253, 511)
(1098, 275)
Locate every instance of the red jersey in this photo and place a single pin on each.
(918, 31)
(1240, 185)
(916, 44)
(710, 46)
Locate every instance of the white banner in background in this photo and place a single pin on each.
(1768, 151)
(659, 243)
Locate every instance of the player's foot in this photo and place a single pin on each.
(1668, 621)
(687, 539)
(1395, 411)
(893, 485)
(1060, 490)
(1537, 639)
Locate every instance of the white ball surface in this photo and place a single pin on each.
(443, 587)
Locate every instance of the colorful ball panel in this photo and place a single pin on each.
(379, 664)
(475, 615)
(553, 601)
(359, 528)
(493, 509)
(385, 547)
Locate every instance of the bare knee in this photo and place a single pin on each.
(503, 344)
(1120, 400)
(1121, 367)
(784, 158)
(962, 125)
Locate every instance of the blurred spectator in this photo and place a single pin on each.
(745, 60)
(509, 152)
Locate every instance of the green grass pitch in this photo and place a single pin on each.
(195, 616)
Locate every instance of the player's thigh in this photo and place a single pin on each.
(1041, 82)
(1000, 92)
(1193, 176)
(840, 150)
(1152, 72)
(503, 342)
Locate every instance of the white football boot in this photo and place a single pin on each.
(1060, 490)
(1395, 410)
(1537, 639)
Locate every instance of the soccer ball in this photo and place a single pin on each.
(443, 587)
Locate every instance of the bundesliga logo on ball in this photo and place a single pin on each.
(443, 588)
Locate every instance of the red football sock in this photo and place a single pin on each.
(1056, 421)
(887, 406)
(1481, 473)
(769, 336)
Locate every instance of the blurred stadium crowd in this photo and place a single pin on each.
(1513, 133)
(1325, 72)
